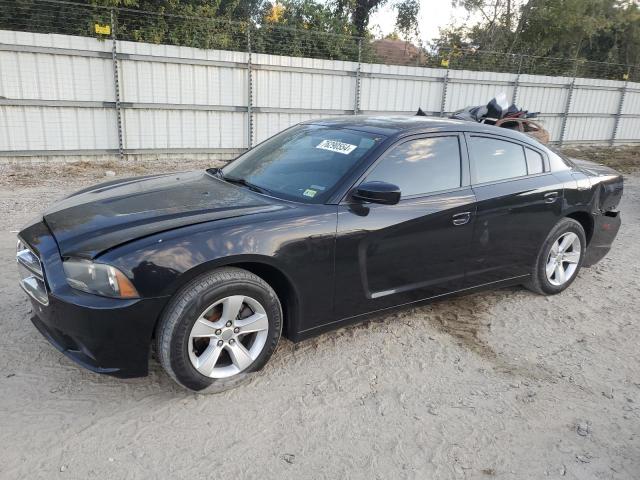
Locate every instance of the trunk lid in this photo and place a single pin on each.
(609, 183)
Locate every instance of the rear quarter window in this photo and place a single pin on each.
(535, 162)
(557, 161)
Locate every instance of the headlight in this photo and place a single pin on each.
(98, 278)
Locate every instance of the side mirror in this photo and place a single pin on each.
(377, 192)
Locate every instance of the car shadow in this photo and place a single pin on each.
(466, 319)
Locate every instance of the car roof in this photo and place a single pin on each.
(398, 125)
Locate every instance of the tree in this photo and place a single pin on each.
(304, 28)
(585, 31)
(360, 11)
(407, 20)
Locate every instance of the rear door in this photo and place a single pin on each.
(518, 202)
(393, 254)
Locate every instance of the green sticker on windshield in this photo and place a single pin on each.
(309, 192)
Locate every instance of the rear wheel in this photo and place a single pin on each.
(218, 329)
(559, 259)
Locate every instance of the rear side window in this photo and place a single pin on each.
(494, 159)
(421, 166)
(534, 161)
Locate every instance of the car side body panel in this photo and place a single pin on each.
(402, 253)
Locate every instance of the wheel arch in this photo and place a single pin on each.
(267, 270)
(282, 285)
(586, 220)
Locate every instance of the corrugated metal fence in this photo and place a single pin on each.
(70, 95)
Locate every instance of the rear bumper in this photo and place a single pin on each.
(605, 230)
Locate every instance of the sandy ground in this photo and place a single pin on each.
(503, 384)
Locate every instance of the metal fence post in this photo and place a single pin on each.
(445, 84)
(116, 86)
(516, 83)
(567, 106)
(356, 100)
(249, 91)
(616, 125)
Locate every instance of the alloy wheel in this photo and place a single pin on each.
(563, 259)
(228, 336)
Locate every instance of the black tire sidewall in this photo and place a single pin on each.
(564, 226)
(183, 370)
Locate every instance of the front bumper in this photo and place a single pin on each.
(605, 230)
(105, 335)
(113, 339)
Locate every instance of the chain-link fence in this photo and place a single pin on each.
(534, 65)
(49, 16)
(54, 16)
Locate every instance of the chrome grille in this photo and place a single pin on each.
(31, 273)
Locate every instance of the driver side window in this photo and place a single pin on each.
(421, 166)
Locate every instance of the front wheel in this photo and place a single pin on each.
(559, 259)
(218, 329)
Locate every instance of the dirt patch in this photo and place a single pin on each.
(623, 159)
(83, 170)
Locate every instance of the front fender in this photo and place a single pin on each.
(300, 247)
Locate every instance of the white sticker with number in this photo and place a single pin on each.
(336, 146)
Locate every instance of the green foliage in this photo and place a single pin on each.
(591, 38)
(304, 28)
(358, 11)
(585, 37)
(407, 20)
(313, 28)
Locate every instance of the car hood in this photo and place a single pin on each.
(104, 216)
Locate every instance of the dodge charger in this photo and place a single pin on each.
(320, 226)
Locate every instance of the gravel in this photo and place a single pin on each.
(503, 384)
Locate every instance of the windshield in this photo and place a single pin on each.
(303, 163)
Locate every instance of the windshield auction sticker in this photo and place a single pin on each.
(336, 146)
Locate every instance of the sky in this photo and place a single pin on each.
(433, 15)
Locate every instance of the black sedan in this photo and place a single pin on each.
(315, 228)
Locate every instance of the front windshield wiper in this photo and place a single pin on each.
(216, 172)
(242, 181)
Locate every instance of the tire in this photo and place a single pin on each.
(186, 350)
(540, 282)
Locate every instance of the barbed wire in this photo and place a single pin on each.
(71, 18)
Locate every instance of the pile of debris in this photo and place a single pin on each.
(500, 113)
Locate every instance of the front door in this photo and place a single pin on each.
(389, 255)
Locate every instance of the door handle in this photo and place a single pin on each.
(550, 197)
(461, 218)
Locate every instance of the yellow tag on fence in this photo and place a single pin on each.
(625, 76)
(103, 29)
(445, 62)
